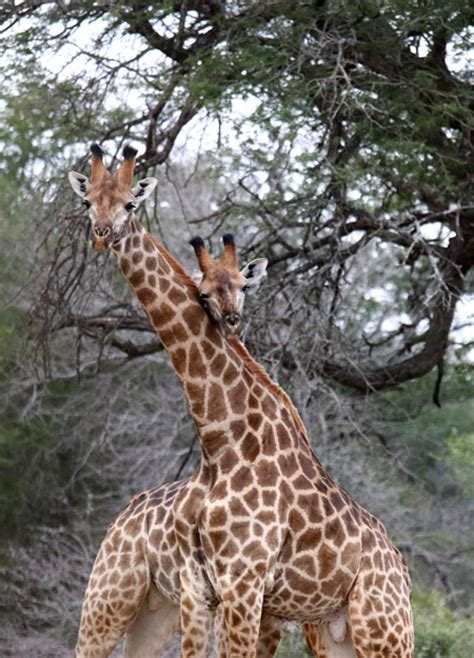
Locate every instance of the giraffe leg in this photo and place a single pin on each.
(242, 612)
(157, 622)
(312, 635)
(117, 587)
(380, 614)
(220, 632)
(269, 636)
(197, 619)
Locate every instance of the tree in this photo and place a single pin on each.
(367, 113)
(334, 138)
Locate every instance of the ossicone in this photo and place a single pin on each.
(97, 151)
(129, 153)
(196, 243)
(228, 239)
(98, 171)
(229, 257)
(205, 261)
(125, 172)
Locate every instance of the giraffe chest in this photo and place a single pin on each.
(313, 575)
(309, 550)
(303, 541)
(319, 560)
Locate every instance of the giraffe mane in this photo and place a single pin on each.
(188, 282)
(258, 370)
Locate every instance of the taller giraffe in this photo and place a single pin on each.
(262, 526)
(133, 589)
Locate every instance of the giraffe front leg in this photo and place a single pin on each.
(380, 616)
(242, 613)
(197, 617)
(115, 593)
(269, 636)
(220, 632)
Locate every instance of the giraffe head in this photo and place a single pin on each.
(222, 286)
(109, 197)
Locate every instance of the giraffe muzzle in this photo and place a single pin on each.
(101, 238)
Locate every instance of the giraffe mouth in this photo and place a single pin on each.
(101, 244)
(229, 323)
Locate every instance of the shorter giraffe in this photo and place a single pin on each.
(222, 288)
(134, 587)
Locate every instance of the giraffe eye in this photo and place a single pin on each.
(86, 203)
(130, 206)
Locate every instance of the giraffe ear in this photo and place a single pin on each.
(79, 183)
(144, 188)
(197, 277)
(254, 272)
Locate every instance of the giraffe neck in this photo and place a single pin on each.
(229, 394)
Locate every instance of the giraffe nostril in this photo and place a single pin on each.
(102, 231)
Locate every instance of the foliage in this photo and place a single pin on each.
(293, 646)
(461, 459)
(439, 632)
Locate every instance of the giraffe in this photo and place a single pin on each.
(138, 565)
(222, 288)
(261, 527)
